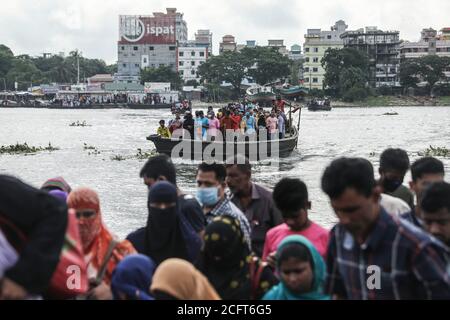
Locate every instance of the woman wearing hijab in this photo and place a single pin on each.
(132, 278)
(228, 264)
(301, 269)
(57, 183)
(102, 252)
(167, 234)
(177, 279)
(34, 224)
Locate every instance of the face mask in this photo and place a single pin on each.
(390, 185)
(163, 218)
(208, 196)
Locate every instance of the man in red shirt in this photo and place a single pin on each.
(237, 120)
(280, 103)
(227, 122)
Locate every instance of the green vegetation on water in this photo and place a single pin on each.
(435, 152)
(140, 155)
(79, 124)
(24, 148)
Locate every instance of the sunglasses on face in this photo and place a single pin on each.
(85, 214)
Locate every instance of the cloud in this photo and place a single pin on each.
(34, 27)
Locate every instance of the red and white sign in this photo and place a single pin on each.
(147, 30)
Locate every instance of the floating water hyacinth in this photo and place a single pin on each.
(435, 152)
(79, 124)
(24, 148)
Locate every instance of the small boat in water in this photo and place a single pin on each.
(264, 95)
(293, 92)
(199, 150)
(319, 105)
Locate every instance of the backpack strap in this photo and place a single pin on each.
(102, 270)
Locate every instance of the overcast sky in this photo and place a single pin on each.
(37, 26)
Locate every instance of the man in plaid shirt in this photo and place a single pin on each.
(211, 194)
(372, 255)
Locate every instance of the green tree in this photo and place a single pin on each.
(192, 83)
(345, 69)
(432, 69)
(162, 74)
(268, 64)
(409, 73)
(6, 60)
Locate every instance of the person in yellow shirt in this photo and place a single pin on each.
(163, 131)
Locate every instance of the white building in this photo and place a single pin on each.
(189, 58)
(317, 42)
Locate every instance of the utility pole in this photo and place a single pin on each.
(78, 67)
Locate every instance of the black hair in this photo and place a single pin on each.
(394, 159)
(162, 120)
(160, 165)
(343, 173)
(426, 165)
(217, 168)
(241, 162)
(295, 250)
(290, 195)
(436, 197)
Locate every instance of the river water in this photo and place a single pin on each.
(362, 132)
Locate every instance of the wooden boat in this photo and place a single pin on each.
(149, 106)
(260, 94)
(293, 92)
(222, 150)
(323, 105)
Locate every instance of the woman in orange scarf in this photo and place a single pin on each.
(102, 252)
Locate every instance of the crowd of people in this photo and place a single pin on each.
(235, 239)
(246, 117)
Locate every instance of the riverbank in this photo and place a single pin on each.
(395, 101)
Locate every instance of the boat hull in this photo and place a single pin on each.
(201, 150)
(149, 106)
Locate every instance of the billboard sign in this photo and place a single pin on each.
(147, 30)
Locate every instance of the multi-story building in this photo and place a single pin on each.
(430, 43)
(203, 38)
(148, 41)
(295, 53)
(228, 44)
(383, 51)
(189, 59)
(279, 44)
(317, 42)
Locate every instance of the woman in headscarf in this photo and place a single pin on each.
(34, 224)
(132, 278)
(57, 183)
(177, 279)
(167, 234)
(301, 269)
(228, 264)
(102, 252)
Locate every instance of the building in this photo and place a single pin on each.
(430, 43)
(317, 42)
(203, 38)
(295, 53)
(279, 44)
(228, 44)
(148, 41)
(189, 58)
(445, 34)
(383, 51)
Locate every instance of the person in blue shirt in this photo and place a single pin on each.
(250, 123)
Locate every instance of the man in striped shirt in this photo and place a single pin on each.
(371, 254)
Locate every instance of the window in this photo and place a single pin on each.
(329, 37)
(193, 54)
(306, 49)
(161, 64)
(315, 69)
(202, 54)
(192, 63)
(181, 72)
(136, 65)
(181, 63)
(306, 79)
(307, 59)
(145, 60)
(315, 80)
(316, 49)
(135, 48)
(172, 48)
(124, 65)
(181, 54)
(307, 69)
(122, 48)
(151, 48)
(193, 72)
(315, 59)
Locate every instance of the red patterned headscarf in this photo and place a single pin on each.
(95, 237)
